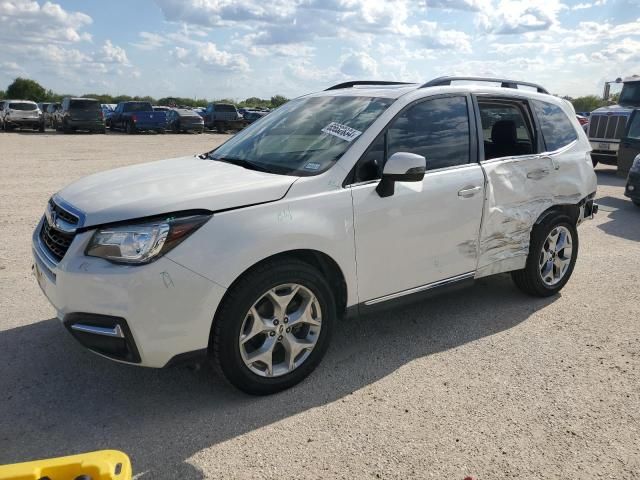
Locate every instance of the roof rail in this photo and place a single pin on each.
(365, 82)
(504, 83)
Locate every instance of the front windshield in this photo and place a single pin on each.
(630, 94)
(303, 137)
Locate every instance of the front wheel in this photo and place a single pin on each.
(273, 327)
(636, 203)
(553, 251)
(131, 129)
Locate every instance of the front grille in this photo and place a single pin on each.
(63, 214)
(55, 241)
(609, 127)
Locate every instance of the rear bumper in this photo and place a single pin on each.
(86, 124)
(149, 126)
(24, 122)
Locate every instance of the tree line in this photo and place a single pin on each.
(27, 89)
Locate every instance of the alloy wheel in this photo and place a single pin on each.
(555, 256)
(280, 330)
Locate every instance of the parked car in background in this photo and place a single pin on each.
(107, 111)
(80, 114)
(135, 117)
(632, 188)
(2, 105)
(251, 116)
(608, 124)
(43, 108)
(222, 117)
(582, 119)
(50, 118)
(200, 111)
(22, 114)
(629, 157)
(338, 202)
(161, 108)
(184, 120)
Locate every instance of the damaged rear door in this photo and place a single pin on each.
(519, 181)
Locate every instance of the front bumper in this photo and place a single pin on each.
(632, 188)
(148, 314)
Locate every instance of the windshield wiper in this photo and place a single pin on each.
(240, 162)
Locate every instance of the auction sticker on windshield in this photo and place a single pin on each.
(342, 131)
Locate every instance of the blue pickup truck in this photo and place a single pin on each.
(135, 117)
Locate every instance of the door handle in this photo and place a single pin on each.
(469, 191)
(553, 160)
(537, 174)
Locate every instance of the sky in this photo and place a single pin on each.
(237, 49)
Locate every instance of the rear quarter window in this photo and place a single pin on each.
(557, 129)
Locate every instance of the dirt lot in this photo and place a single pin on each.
(486, 382)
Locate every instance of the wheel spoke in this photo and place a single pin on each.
(281, 302)
(562, 242)
(264, 355)
(304, 314)
(258, 326)
(293, 346)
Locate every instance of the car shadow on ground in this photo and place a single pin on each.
(57, 399)
(608, 176)
(624, 218)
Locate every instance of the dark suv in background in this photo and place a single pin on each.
(222, 117)
(80, 114)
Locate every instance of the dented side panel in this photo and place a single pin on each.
(518, 190)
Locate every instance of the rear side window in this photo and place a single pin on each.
(557, 129)
(437, 129)
(506, 131)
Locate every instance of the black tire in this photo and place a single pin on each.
(529, 279)
(130, 129)
(636, 203)
(41, 128)
(224, 347)
(594, 161)
(112, 127)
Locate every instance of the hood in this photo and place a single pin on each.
(156, 188)
(613, 109)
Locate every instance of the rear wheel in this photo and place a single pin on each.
(273, 327)
(636, 203)
(553, 251)
(131, 129)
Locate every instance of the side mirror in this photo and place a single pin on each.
(401, 167)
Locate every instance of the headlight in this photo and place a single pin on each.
(635, 167)
(144, 242)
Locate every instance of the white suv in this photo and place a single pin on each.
(336, 203)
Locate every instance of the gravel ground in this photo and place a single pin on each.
(484, 382)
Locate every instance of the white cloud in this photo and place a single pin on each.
(25, 21)
(209, 58)
(110, 53)
(511, 17)
(584, 6)
(359, 65)
(150, 41)
(469, 5)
